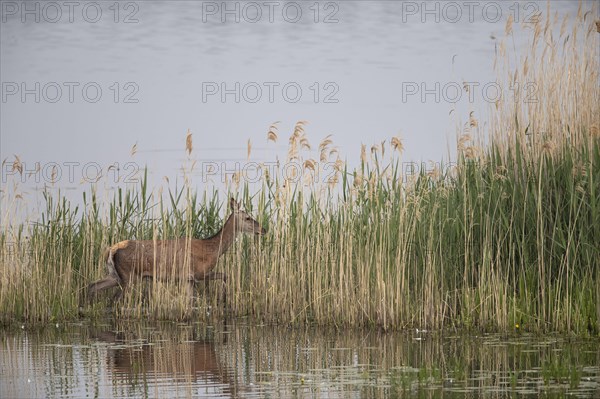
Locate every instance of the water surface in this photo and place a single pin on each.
(131, 360)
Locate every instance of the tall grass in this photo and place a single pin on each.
(508, 237)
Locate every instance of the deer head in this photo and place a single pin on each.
(243, 222)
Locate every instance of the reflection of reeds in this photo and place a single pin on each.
(178, 360)
(508, 236)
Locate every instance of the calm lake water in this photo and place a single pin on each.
(83, 85)
(129, 360)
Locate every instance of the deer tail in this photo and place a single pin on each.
(109, 256)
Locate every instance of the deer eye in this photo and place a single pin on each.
(248, 218)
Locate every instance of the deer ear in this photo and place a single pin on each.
(233, 205)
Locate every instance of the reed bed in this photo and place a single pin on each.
(505, 238)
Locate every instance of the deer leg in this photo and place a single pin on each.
(119, 295)
(223, 278)
(100, 285)
(215, 276)
(147, 285)
(189, 288)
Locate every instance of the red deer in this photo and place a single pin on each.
(183, 259)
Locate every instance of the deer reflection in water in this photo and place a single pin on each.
(167, 362)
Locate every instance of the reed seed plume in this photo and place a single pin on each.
(188, 142)
(310, 164)
(363, 153)
(324, 151)
(17, 165)
(397, 144)
(272, 134)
